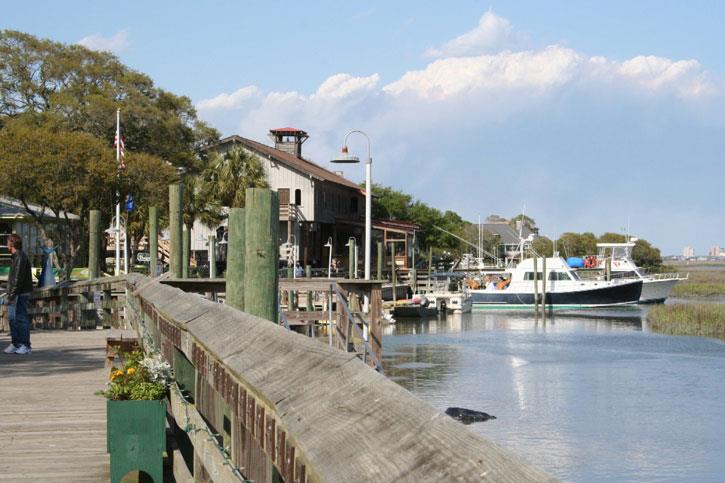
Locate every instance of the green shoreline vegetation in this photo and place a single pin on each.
(700, 283)
(704, 320)
(686, 289)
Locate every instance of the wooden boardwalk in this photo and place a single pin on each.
(52, 425)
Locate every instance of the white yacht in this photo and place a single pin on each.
(656, 287)
(564, 289)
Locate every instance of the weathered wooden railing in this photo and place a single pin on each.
(259, 402)
(348, 328)
(78, 305)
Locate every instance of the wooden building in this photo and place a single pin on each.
(316, 204)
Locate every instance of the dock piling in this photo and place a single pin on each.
(176, 197)
(94, 243)
(262, 253)
(235, 259)
(153, 240)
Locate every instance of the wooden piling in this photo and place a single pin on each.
(94, 244)
(308, 274)
(351, 258)
(392, 271)
(430, 267)
(236, 253)
(185, 248)
(608, 269)
(381, 255)
(153, 240)
(291, 293)
(413, 274)
(262, 253)
(176, 197)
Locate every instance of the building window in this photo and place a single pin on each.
(353, 204)
(298, 197)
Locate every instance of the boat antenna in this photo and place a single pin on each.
(495, 258)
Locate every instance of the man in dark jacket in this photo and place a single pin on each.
(20, 284)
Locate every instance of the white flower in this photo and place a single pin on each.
(157, 369)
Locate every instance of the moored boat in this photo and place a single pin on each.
(564, 289)
(655, 287)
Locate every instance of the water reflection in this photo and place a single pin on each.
(586, 396)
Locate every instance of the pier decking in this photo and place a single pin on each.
(52, 425)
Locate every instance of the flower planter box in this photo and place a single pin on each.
(136, 437)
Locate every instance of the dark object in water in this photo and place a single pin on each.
(468, 416)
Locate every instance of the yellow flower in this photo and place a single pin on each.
(131, 371)
(116, 374)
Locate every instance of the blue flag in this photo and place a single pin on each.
(130, 205)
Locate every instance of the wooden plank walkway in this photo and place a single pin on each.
(52, 425)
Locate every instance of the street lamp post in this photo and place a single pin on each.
(329, 257)
(346, 158)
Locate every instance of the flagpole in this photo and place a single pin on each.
(117, 266)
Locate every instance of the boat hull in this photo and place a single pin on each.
(452, 303)
(657, 291)
(414, 311)
(603, 296)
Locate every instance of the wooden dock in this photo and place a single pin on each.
(52, 425)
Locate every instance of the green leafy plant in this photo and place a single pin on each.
(141, 377)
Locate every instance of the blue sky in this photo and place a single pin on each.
(587, 113)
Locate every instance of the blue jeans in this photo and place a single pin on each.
(19, 321)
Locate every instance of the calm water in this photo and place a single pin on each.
(588, 397)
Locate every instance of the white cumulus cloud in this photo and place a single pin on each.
(224, 101)
(340, 86)
(492, 34)
(653, 73)
(455, 76)
(116, 43)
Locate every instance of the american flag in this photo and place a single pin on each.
(121, 148)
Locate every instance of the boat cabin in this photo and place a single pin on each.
(556, 269)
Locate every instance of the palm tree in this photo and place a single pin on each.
(228, 176)
(199, 205)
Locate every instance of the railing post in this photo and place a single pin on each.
(94, 243)
(236, 252)
(375, 331)
(153, 240)
(176, 196)
(262, 253)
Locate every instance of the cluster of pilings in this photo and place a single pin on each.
(252, 253)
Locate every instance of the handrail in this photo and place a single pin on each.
(350, 320)
(293, 402)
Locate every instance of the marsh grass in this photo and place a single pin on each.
(705, 320)
(701, 282)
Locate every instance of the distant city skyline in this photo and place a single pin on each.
(586, 114)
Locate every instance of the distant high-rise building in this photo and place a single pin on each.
(714, 251)
(688, 252)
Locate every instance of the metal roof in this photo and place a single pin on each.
(507, 234)
(288, 159)
(10, 208)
